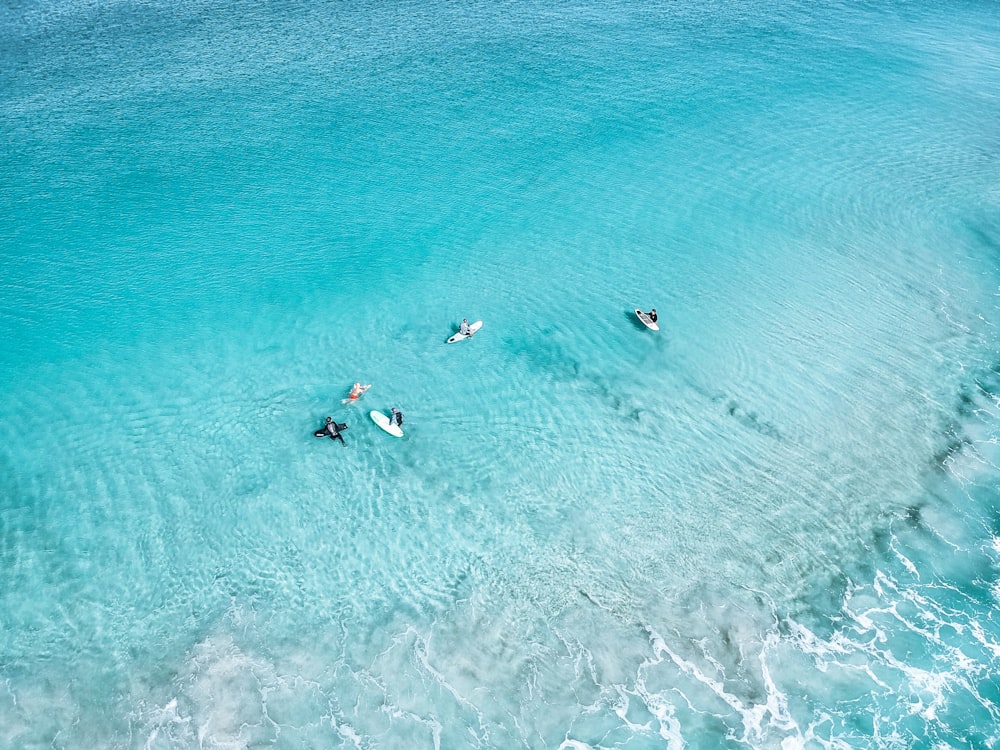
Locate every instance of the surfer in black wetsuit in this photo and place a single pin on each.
(652, 315)
(332, 430)
(396, 418)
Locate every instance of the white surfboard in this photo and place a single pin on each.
(473, 327)
(646, 320)
(383, 421)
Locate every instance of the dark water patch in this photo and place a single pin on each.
(607, 392)
(546, 356)
(985, 236)
(911, 517)
(775, 557)
(749, 419)
(880, 540)
(879, 543)
(600, 380)
(752, 421)
(966, 403)
(987, 391)
(975, 400)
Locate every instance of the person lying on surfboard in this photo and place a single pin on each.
(332, 430)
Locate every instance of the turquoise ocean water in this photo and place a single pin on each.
(772, 524)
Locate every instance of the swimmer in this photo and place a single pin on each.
(358, 389)
(356, 392)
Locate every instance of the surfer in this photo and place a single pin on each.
(652, 314)
(464, 328)
(332, 430)
(357, 390)
(396, 418)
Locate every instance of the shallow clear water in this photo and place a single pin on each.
(772, 524)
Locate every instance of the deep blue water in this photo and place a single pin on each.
(771, 524)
